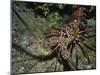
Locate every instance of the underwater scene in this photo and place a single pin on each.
(52, 37)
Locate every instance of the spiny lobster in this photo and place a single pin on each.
(62, 39)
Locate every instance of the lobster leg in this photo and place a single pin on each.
(84, 52)
(87, 46)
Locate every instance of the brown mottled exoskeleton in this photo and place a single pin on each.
(63, 39)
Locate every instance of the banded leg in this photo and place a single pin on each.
(84, 52)
(87, 46)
